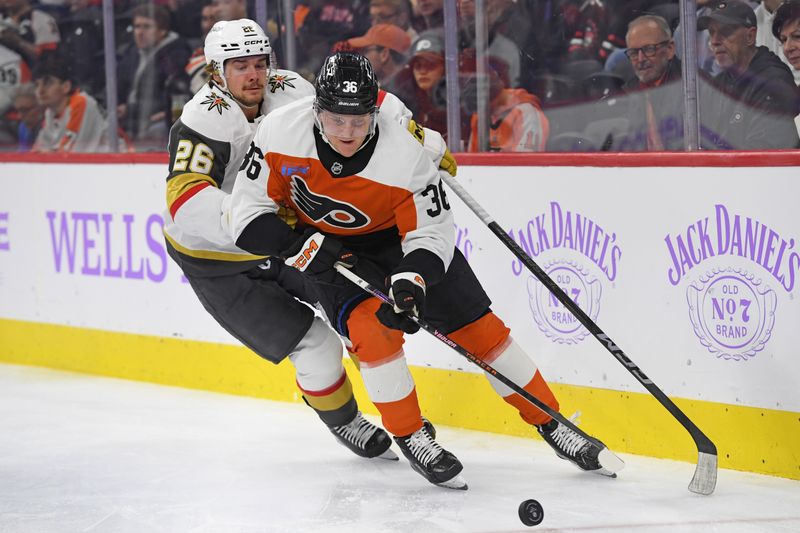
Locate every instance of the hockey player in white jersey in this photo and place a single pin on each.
(370, 199)
(250, 296)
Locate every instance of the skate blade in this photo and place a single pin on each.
(456, 483)
(389, 455)
(610, 464)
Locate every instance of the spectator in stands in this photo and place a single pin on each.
(765, 17)
(593, 29)
(325, 23)
(144, 74)
(429, 15)
(397, 12)
(500, 46)
(30, 115)
(196, 67)
(786, 28)
(82, 37)
(230, 9)
(756, 99)
(420, 85)
(14, 72)
(516, 120)
(655, 110)
(385, 45)
(73, 122)
(26, 30)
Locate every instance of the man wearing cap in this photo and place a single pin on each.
(758, 100)
(385, 45)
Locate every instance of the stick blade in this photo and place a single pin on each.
(705, 475)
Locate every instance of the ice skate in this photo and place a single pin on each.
(433, 462)
(573, 447)
(365, 439)
(429, 426)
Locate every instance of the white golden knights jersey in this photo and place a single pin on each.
(206, 147)
(389, 187)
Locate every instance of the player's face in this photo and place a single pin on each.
(247, 77)
(731, 45)
(790, 40)
(346, 133)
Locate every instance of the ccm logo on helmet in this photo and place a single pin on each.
(257, 41)
(323, 208)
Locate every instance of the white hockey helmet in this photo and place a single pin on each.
(234, 38)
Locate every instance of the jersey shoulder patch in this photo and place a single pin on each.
(213, 114)
(285, 87)
(287, 80)
(215, 102)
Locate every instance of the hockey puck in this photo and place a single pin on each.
(531, 513)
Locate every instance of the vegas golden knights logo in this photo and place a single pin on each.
(248, 29)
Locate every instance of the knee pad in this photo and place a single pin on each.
(317, 358)
(511, 361)
(371, 341)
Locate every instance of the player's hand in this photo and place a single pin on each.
(315, 254)
(288, 215)
(448, 163)
(407, 290)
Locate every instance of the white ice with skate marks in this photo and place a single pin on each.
(87, 454)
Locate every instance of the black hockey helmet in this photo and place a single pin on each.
(347, 85)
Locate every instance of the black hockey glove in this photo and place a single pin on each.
(407, 289)
(315, 254)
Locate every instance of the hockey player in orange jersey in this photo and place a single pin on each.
(367, 196)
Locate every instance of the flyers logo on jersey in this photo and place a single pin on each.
(321, 208)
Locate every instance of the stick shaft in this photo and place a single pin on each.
(371, 289)
(703, 443)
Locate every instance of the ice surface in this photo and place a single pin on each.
(87, 454)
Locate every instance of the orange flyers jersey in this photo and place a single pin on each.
(395, 183)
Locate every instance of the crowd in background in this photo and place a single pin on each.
(562, 75)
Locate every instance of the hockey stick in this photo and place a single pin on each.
(609, 462)
(705, 475)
